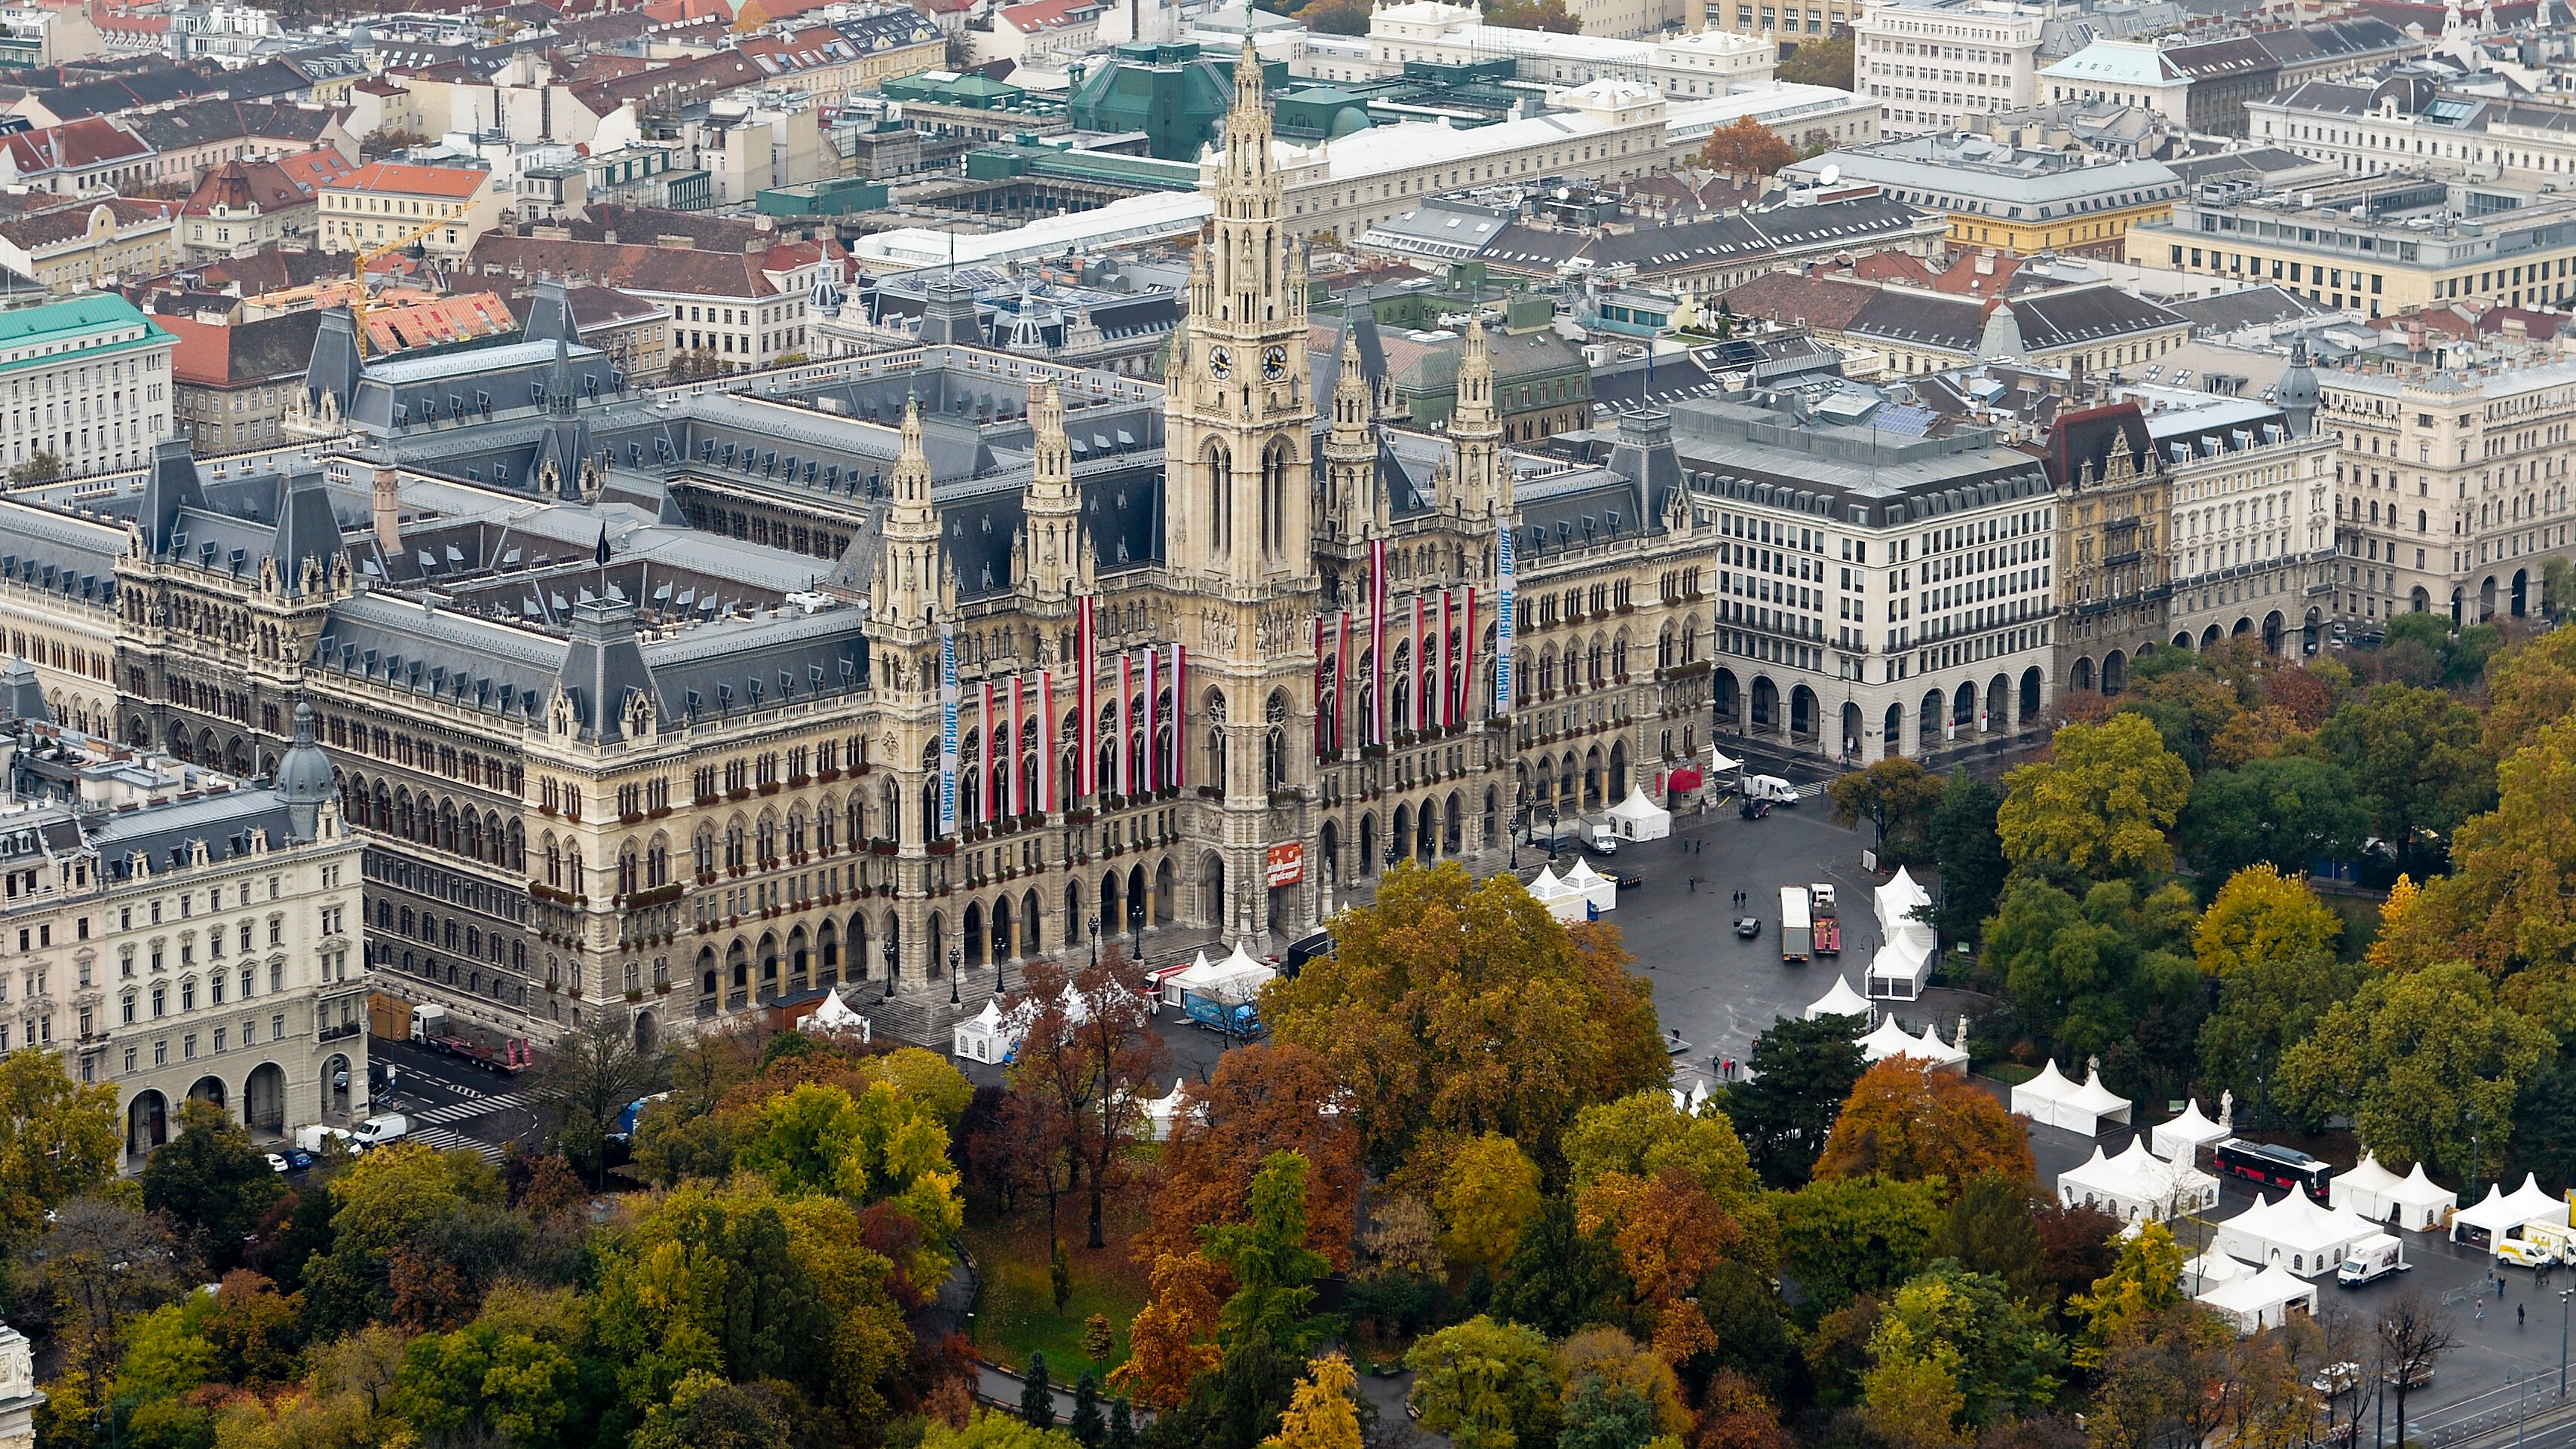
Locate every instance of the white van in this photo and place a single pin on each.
(1771, 788)
(378, 1131)
(2372, 1258)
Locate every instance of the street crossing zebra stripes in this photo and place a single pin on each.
(445, 1139)
(477, 1107)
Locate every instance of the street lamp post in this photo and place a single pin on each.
(997, 974)
(1095, 940)
(952, 976)
(890, 953)
(2563, 1295)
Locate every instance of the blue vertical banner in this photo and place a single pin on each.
(1505, 618)
(947, 728)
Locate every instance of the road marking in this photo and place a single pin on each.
(459, 1111)
(446, 1140)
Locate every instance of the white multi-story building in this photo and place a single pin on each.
(1683, 67)
(1930, 63)
(2252, 529)
(87, 382)
(2452, 488)
(180, 933)
(1876, 592)
(2122, 72)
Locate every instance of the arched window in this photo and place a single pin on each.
(1274, 744)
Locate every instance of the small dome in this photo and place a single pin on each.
(304, 772)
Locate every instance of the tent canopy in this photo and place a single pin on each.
(2260, 1300)
(1840, 1001)
(2137, 1185)
(2181, 1138)
(1638, 818)
(1598, 890)
(1889, 1039)
(2294, 1233)
(2501, 1215)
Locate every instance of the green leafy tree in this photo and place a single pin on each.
(596, 1070)
(2421, 1063)
(1643, 1133)
(1895, 797)
(1087, 1426)
(1910, 1397)
(212, 1182)
(2101, 803)
(1991, 1229)
(42, 466)
(2414, 759)
(2283, 812)
(1820, 63)
(706, 1412)
(1274, 1271)
(2557, 586)
(2265, 1007)
(2144, 1281)
(482, 1383)
(2104, 976)
(2003, 1361)
(390, 1200)
(58, 1139)
(1843, 1239)
(879, 1147)
(1968, 854)
(1560, 1278)
(1801, 1072)
(1486, 1385)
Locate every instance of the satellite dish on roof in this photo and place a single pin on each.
(1565, 193)
(1829, 175)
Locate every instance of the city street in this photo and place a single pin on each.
(452, 1103)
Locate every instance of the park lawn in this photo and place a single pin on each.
(1015, 1311)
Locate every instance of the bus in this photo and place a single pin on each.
(2267, 1165)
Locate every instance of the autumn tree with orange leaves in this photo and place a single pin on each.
(1087, 1053)
(1746, 148)
(1261, 1099)
(1907, 1121)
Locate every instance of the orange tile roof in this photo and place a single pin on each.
(389, 177)
(436, 321)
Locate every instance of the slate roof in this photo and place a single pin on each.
(159, 86)
(1699, 245)
(209, 122)
(2252, 307)
(1907, 316)
(272, 349)
(2086, 314)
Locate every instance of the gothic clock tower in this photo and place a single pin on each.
(1239, 547)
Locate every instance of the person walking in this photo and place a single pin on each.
(2517, 1317)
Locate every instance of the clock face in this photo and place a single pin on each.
(1274, 362)
(1220, 363)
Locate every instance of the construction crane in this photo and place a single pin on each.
(359, 306)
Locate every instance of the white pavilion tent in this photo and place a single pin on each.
(2363, 1191)
(833, 1017)
(1161, 1113)
(1563, 901)
(979, 1038)
(2209, 1270)
(1888, 1039)
(2502, 1216)
(1233, 981)
(1599, 891)
(1840, 1001)
(1903, 962)
(2419, 1204)
(2293, 1233)
(2137, 1186)
(2180, 1139)
(2086, 1107)
(1638, 818)
(1180, 983)
(2261, 1300)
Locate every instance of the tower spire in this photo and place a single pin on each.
(1475, 430)
(1053, 506)
(908, 577)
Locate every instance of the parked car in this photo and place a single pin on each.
(297, 1159)
(1747, 927)
(2334, 1378)
(2416, 1378)
(278, 1163)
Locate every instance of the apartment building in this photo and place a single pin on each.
(383, 202)
(91, 244)
(2405, 121)
(2121, 72)
(2230, 75)
(247, 205)
(2252, 485)
(2452, 488)
(87, 382)
(1435, 32)
(2374, 244)
(178, 932)
(733, 310)
(1931, 63)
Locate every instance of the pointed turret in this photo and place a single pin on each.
(1054, 506)
(1480, 482)
(2299, 395)
(906, 582)
(1350, 449)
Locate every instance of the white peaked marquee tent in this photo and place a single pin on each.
(1840, 1001)
(2363, 1191)
(2082, 1107)
(2261, 1300)
(1904, 959)
(2418, 1203)
(1638, 818)
(1179, 983)
(1599, 891)
(2180, 1139)
(979, 1038)
(833, 1017)
(1563, 901)
(2209, 1270)
(1888, 1039)
(1162, 1112)
(2293, 1233)
(2138, 1186)
(2502, 1216)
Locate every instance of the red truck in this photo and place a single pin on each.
(430, 1027)
(1828, 928)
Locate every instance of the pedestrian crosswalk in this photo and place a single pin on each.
(446, 1140)
(473, 1107)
